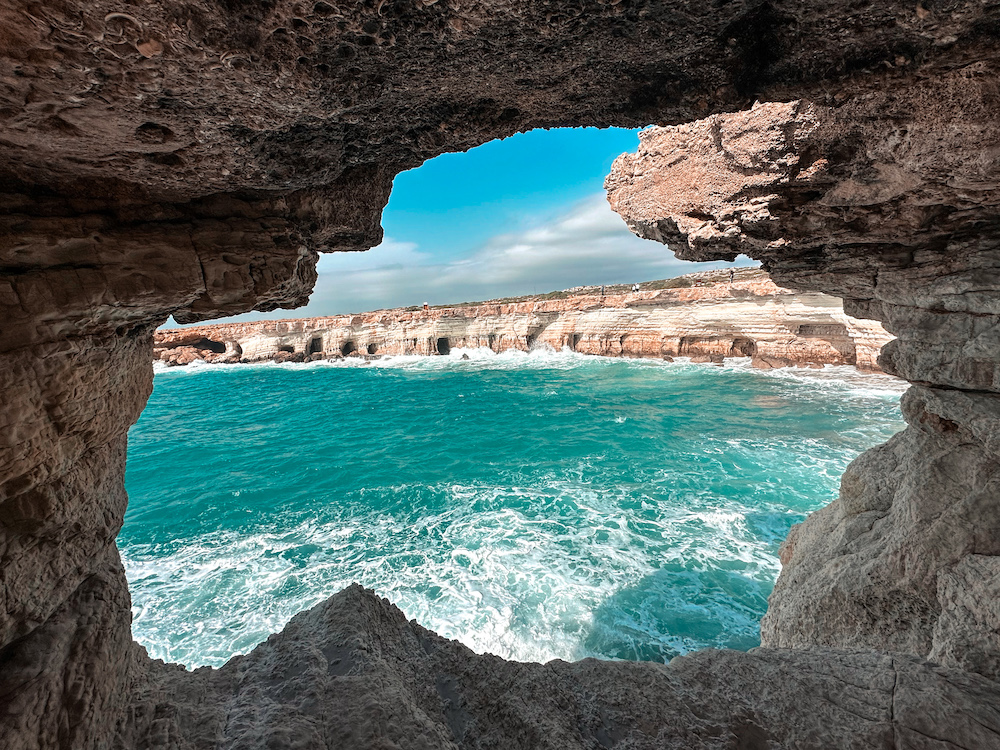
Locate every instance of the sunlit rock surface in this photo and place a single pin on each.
(890, 201)
(192, 159)
(702, 315)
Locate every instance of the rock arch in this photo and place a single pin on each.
(192, 160)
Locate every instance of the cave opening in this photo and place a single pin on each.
(289, 176)
(213, 346)
(392, 264)
(743, 347)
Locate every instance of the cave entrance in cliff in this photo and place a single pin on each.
(216, 347)
(743, 347)
(443, 345)
(315, 345)
(348, 347)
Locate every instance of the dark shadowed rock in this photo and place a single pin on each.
(193, 158)
(353, 672)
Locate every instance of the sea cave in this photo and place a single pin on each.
(193, 159)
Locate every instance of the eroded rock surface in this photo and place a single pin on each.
(354, 673)
(703, 315)
(905, 557)
(890, 201)
(192, 158)
(65, 615)
(887, 201)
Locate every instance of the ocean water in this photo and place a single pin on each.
(536, 506)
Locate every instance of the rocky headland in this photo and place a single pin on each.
(193, 158)
(703, 316)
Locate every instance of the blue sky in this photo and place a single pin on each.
(523, 215)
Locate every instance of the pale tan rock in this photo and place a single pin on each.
(847, 201)
(193, 158)
(708, 322)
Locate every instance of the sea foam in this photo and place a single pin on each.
(535, 505)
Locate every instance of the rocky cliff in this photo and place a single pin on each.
(875, 202)
(353, 673)
(192, 158)
(702, 316)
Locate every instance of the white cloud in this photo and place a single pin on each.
(590, 244)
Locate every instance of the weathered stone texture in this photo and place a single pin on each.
(886, 201)
(891, 201)
(900, 560)
(192, 159)
(704, 315)
(64, 620)
(353, 672)
(66, 409)
(67, 682)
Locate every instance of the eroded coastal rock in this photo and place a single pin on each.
(353, 672)
(192, 158)
(871, 202)
(703, 316)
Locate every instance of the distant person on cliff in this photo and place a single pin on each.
(732, 275)
(602, 290)
(426, 306)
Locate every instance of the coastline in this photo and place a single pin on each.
(702, 316)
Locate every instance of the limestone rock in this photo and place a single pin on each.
(352, 672)
(67, 681)
(850, 201)
(191, 159)
(704, 317)
(903, 558)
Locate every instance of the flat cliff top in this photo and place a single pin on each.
(705, 286)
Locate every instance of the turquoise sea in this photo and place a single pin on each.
(536, 506)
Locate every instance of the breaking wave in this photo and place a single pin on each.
(532, 505)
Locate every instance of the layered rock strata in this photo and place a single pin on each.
(192, 158)
(891, 202)
(702, 316)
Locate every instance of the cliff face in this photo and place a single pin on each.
(873, 202)
(191, 158)
(705, 316)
